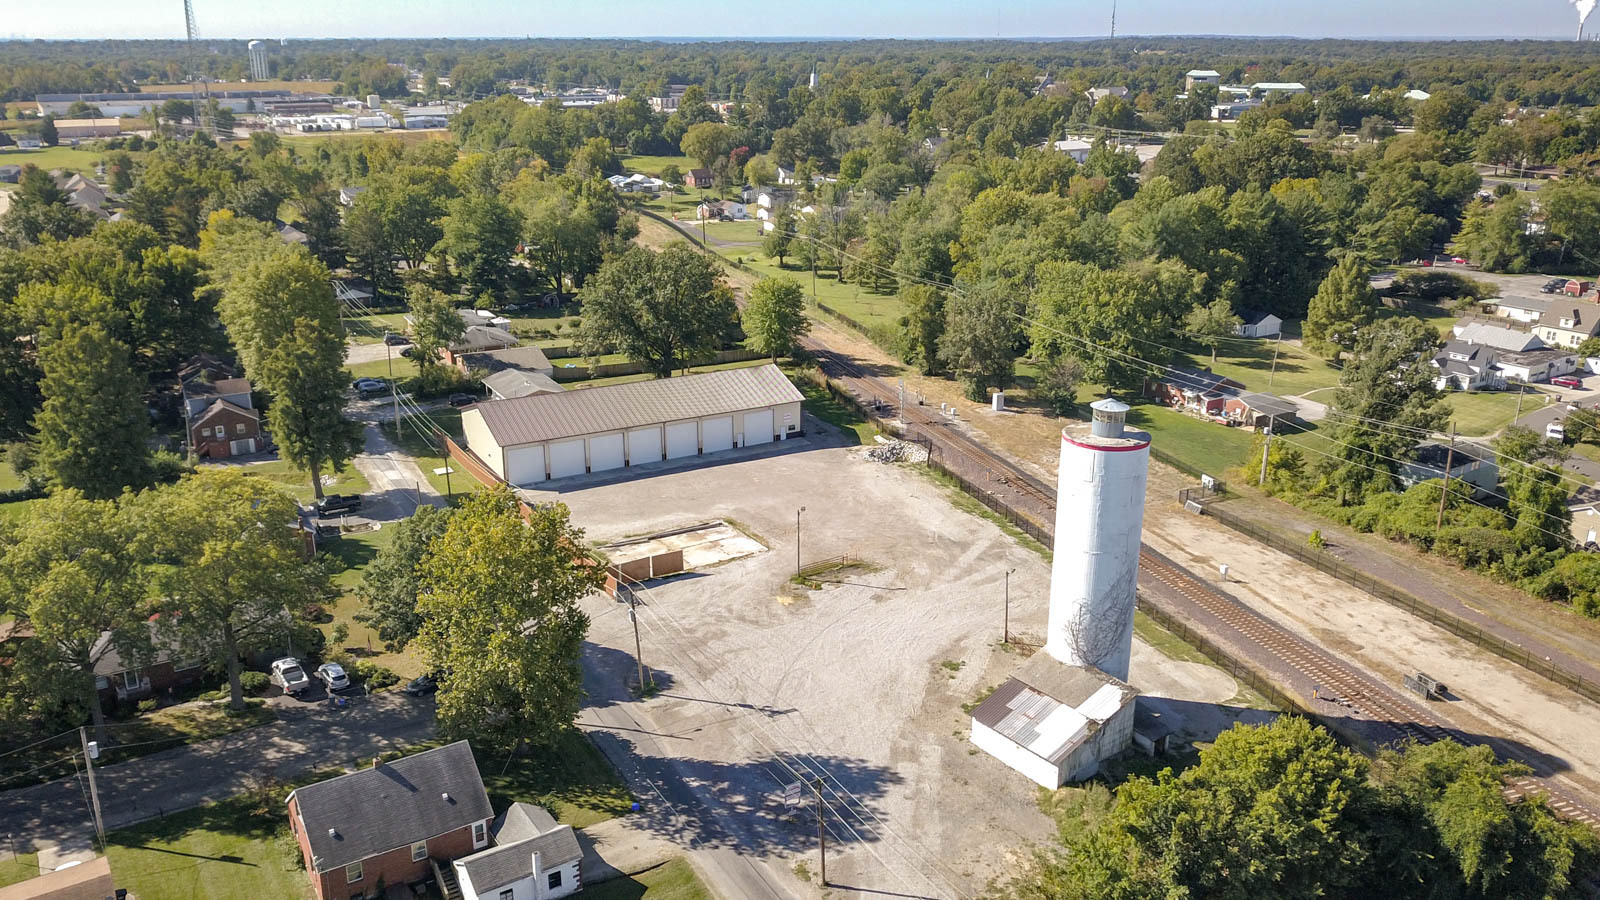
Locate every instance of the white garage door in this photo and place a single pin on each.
(566, 458)
(644, 446)
(716, 434)
(758, 427)
(525, 465)
(605, 452)
(683, 439)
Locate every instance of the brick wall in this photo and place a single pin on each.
(392, 868)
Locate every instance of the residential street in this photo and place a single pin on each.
(307, 736)
(397, 486)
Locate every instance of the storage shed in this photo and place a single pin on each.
(527, 440)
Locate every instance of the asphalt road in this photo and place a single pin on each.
(307, 736)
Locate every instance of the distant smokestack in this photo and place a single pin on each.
(1584, 7)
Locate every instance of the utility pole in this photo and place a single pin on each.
(1276, 346)
(1008, 606)
(394, 389)
(1521, 389)
(90, 751)
(822, 834)
(797, 540)
(1444, 492)
(633, 616)
(1265, 450)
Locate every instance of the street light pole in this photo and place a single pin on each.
(1008, 606)
(797, 540)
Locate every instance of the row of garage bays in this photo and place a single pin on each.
(529, 440)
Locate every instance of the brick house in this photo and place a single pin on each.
(125, 680)
(697, 178)
(219, 416)
(1195, 390)
(389, 825)
(478, 339)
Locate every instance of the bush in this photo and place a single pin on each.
(1435, 286)
(438, 381)
(1315, 541)
(147, 705)
(374, 676)
(253, 682)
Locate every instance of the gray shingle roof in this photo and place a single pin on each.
(392, 805)
(222, 387)
(530, 358)
(483, 337)
(1268, 405)
(520, 832)
(545, 417)
(512, 383)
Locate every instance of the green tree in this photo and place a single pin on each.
(72, 577)
(979, 341)
(774, 316)
(500, 618)
(390, 585)
(1057, 385)
(1096, 315)
(480, 234)
(708, 141)
(1572, 210)
(1495, 235)
(435, 324)
(47, 131)
(119, 172)
(662, 310)
(1535, 490)
(370, 247)
(1343, 306)
(93, 430)
(672, 175)
(925, 321)
(1211, 324)
(284, 321)
(778, 240)
(40, 212)
(235, 575)
(1385, 398)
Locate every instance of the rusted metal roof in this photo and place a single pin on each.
(549, 417)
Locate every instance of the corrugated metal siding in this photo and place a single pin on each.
(527, 420)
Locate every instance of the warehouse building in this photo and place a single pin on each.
(545, 436)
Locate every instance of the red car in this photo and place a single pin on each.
(1566, 381)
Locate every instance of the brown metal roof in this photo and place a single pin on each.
(547, 417)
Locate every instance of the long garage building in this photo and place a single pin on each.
(527, 440)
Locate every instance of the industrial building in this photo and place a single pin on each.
(545, 436)
(135, 104)
(1070, 707)
(77, 129)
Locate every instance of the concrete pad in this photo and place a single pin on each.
(702, 545)
(71, 850)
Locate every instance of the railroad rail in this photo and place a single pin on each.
(1327, 678)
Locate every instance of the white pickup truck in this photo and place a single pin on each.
(287, 673)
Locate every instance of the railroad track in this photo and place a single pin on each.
(1331, 679)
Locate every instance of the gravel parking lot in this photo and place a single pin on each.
(865, 677)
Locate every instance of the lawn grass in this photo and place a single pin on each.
(1442, 322)
(571, 779)
(1480, 414)
(402, 368)
(9, 479)
(1250, 362)
(72, 159)
(652, 165)
(238, 849)
(1205, 446)
(298, 484)
(354, 552)
(417, 440)
(17, 511)
(19, 868)
(674, 880)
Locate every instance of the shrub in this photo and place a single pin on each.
(254, 682)
(438, 381)
(147, 705)
(1315, 541)
(374, 676)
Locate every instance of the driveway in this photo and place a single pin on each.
(355, 354)
(306, 737)
(396, 485)
(1539, 419)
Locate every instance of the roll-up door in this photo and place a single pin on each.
(683, 439)
(716, 434)
(525, 465)
(644, 446)
(758, 427)
(605, 452)
(566, 458)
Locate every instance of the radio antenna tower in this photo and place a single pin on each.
(1113, 18)
(202, 93)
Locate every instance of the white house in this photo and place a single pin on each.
(1525, 310)
(1258, 323)
(785, 175)
(1428, 461)
(1535, 366)
(1278, 87)
(533, 858)
(1466, 367)
(1076, 148)
(1227, 112)
(1499, 337)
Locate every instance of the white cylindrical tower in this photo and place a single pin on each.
(1099, 516)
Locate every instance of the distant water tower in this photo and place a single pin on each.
(258, 61)
(1099, 517)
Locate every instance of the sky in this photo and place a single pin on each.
(89, 19)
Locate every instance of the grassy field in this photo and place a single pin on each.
(19, 868)
(1250, 362)
(832, 410)
(49, 158)
(1206, 446)
(1477, 415)
(652, 165)
(304, 141)
(354, 551)
(298, 484)
(676, 880)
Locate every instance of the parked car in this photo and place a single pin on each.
(288, 674)
(371, 386)
(409, 352)
(1556, 431)
(422, 685)
(333, 504)
(460, 400)
(1458, 260)
(332, 676)
(1567, 381)
(1553, 285)
(395, 340)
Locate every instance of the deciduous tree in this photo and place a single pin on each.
(1343, 306)
(390, 584)
(1211, 324)
(93, 430)
(774, 316)
(661, 309)
(979, 341)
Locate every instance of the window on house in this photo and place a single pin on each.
(130, 680)
(352, 873)
(239, 428)
(507, 894)
(555, 879)
(480, 835)
(419, 851)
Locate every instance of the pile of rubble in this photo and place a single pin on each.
(898, 451)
